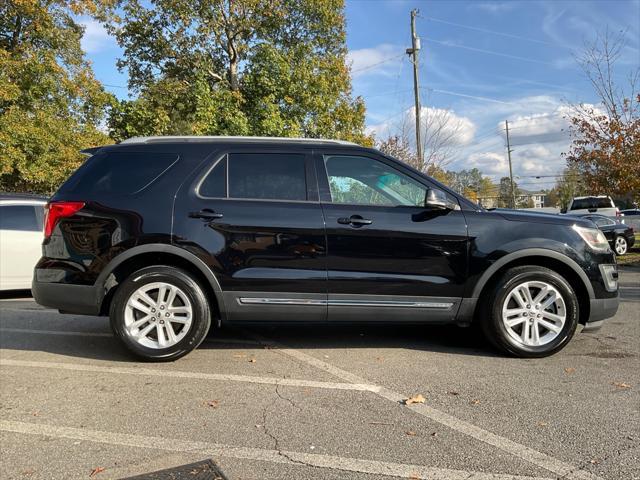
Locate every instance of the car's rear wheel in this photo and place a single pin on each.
(620, 245)
(160, 313)
(531, 312)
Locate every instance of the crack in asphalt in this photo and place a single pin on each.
(606, 458)
(274, 438)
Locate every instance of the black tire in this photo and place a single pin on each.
(496, 332)
(626, 248)
(201, 318)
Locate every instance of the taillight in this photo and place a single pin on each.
(55, 211)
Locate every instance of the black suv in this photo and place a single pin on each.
(169, 234)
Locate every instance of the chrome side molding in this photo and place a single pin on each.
(343, 303)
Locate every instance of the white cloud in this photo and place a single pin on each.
(95, 38)
(489, 163)
(458, 129)
(495, 7)
(380, 60)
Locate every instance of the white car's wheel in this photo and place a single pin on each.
(620, 246)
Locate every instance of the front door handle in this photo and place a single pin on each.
(355, 221)
(206, 214)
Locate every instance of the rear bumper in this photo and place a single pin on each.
(78, 299)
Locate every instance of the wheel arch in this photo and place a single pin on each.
(550, 259)
(141, 256)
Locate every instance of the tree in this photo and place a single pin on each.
(243, 67)
(569, 185)
(505, 200)
(51, 106)
(606, 137)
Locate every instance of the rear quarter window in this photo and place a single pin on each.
(591, 202)
(119, 173)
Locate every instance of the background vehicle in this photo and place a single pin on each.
(21, 218)
(633, 212)
(167, 235)
(620, 236)
(602, 205)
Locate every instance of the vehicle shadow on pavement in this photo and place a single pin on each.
(69, 340)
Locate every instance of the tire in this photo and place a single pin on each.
(620, 245)
(145, 325)
(511, 324)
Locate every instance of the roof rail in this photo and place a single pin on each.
(193, 138)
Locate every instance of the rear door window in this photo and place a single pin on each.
(267, 176)
(119, 173)
(19, 217)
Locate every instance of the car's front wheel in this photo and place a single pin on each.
(620, 245)
(160, 313)
(531, 312)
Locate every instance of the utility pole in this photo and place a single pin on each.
(413, 51)
(513, 190)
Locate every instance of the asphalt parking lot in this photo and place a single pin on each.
(321, 403)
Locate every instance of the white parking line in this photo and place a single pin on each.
(523, 452)
(287, 457)
(288, 382)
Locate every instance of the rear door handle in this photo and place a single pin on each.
(206, 214)
(355, 221)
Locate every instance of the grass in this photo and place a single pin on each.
(633, 255)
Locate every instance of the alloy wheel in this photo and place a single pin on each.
(621, 246)
(534, 313)
(158, 315)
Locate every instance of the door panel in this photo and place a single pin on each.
(259, 249)
(404, 253)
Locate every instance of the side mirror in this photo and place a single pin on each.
(437, 199)
(564, 210)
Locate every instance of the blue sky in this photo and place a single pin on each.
(481, 63)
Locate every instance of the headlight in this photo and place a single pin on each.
(594, 238)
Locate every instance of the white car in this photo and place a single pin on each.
(21, 235)
(601, 204)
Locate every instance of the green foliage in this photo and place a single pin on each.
(505, 198)
(248, 67)
(50, 103)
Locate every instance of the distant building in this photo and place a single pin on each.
(523, 199)
(537, 197)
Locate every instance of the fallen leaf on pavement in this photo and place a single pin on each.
(620, 385)
(411, 433)
(213, 403)
(475, 401)
(594, 461)
(380, 423)
(29, 471)
(453, 392)
(252, 360)
(434, 434)
(96, 471)
(414, 476)
(569, 370)
(542, 424)
(418, 398)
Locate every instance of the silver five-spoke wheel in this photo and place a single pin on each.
(620, 246)
(158, 315)
(534, 313)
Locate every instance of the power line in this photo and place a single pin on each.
(495, 32)
(475, 97)
(489, 52)
(388, 59)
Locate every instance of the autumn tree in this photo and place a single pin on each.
(505, 199)
(606, 137)
(243, 67)
(51, 105)
(569, 185)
